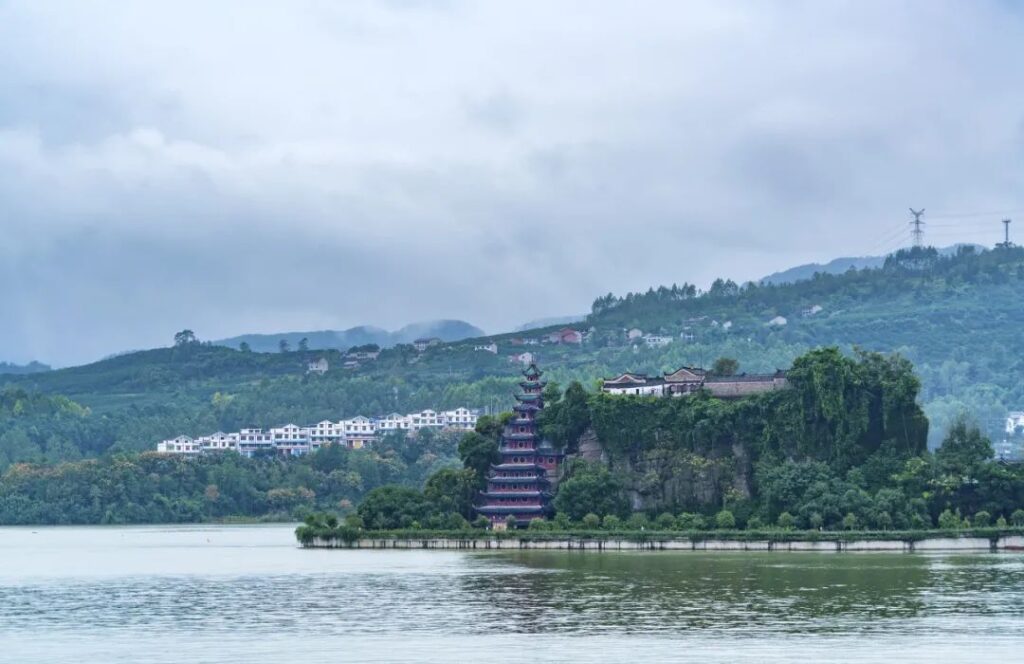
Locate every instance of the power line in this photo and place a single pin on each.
(887, 239)
(966, 215)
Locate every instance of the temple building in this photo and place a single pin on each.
(521, 484)
(687, 380)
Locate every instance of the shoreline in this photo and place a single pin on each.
(1007, 543)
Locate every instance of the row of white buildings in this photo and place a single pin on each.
(294, 440)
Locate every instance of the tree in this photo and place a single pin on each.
(724, 520)
(1017, 518)
(391, 506)
(282, 345)
(690, 521)
(511, 522)
(964, 449)
(725, 366)
(590, 488)
(591, 521)
(786, 521)
(184, 338)
(665, 521)
(303, 344)
(611, 522)
(244, 347)
(452, 490)
(982, 519)
(478, 453)
(949, 521)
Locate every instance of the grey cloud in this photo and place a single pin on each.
(185, 164)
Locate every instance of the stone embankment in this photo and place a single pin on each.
(1003, 543)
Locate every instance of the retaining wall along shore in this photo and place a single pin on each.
(952, 543)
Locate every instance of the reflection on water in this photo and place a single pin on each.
(222, 594)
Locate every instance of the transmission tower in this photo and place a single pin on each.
(1006, 233)
(918, 232)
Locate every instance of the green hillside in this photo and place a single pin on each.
(957, 318)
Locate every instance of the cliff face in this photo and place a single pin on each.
(668, 479)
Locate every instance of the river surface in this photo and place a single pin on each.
(219, 594)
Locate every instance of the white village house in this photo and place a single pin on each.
(295, 440)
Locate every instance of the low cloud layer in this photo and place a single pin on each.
(260, 167)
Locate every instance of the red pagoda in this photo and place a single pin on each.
(521, 485)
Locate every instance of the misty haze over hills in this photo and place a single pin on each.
(445, 330)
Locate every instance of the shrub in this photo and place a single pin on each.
(511, 522)
(1017, 518)
(1001, 522)
(948, 520)
(538, 523)
(982, 519)
(456, 522)
(611, 522)
(755, 523)
(786, 521)
(562, 521)
(724, 520)
(665, 521)
(690, 521)
(591, 521)
(638, 521)
(481, 522)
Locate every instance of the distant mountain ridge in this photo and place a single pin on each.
(549, 322)
(10, 368)
(445, 330)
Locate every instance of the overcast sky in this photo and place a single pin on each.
(262, 167)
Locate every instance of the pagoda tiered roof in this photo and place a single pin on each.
(520, 435)
(528, 397)
(518, 466)
(514, 494)
(511, 509)
(536, 479)
(525, 407)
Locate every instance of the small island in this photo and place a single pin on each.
(829, 455)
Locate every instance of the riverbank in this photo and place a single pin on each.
(907, 542)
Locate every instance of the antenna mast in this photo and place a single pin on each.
(918, 232)
(1006, 233)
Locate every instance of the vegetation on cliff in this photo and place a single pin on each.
(844, 448)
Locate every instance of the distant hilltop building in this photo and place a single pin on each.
(526, 359)
(294, 440)
(566, 335)
(423, 344)
(1014, 422)
(319, 366)
(520, 486)
(687, 380)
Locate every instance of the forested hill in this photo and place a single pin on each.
(957, 318)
